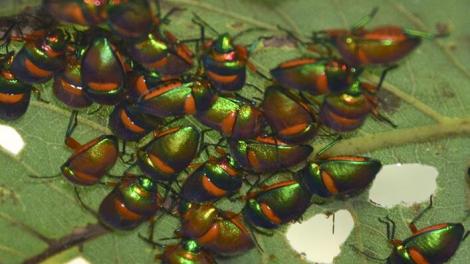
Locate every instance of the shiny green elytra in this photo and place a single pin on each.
(14, 94)
(102, 72)
(232, 118)
(131, 19)
(339, 175)
(346, 111)
(267, 154)
(316, 76)
(39, 60)
(187, 252)
(277, 204)
(289, 116)
(225, 63)
(176, 98)
(213, 180)
(169, 152)
(433, 244)
(131, 202)
(91, 161)
(222, 232)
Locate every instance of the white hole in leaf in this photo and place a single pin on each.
(78, 260)
(403, 183)
(11, 140)
(314, 237)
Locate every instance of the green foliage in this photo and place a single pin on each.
(430, 105)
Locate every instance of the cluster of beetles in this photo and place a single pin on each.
(117, 54)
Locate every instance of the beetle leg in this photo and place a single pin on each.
(45, 177)
(368, 254)
(131, 156)
(73, 120)
(84, 206)
(165, 19)
(37, 92)
(466, 235)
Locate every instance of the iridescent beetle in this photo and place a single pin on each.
(348, 110)
(67, 85)
(162, 53)
(131, 19)
(315, 76)
(14, 94)
(224, 62)
(177, 97)
(128, 123)
(289, 116)
(338, 175)
(384, 45)
(91, 161)
(433, 244)
(85, 13)
(41, 56)
(186, 252)
(214, 179)
(103, 72)
(134, 200)
(233, 118)
(282, 202)
(277, 204)
(221, 232)
(169, 152)
(267, 154)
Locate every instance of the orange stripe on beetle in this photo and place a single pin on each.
(268, 212)
(160, 164)
(417, 257)
(211, 188)
(11, 98)
(128, 123)
(35, 70)
(329, 183)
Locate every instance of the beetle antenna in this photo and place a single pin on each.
(364, 20)
(422, 212)
(425, 35)
(466, 235)
(246, 31)
(198, 19)
(329, 145)
(72, 124)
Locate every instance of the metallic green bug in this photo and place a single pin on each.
(14, 94)
(315, 76)
(186, 252)
(133, 201)
(221, 232)
(267, 154)
(40, 57)
(103, 76)
(216, 178)
(277, 204)
(338, 175)
(232, 118)
(169, 152)
(291, 118)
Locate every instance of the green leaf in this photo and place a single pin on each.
(427, 96)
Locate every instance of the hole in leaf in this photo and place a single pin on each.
(403, 183)
(314, 237)
(78, 260)
(11, 140)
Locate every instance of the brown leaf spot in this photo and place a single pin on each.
(278, 42)
(389, 103)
